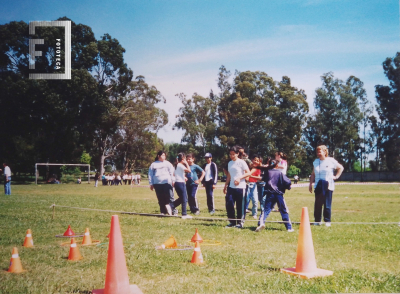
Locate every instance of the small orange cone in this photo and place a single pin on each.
(196, 237)
(197, 257)
(170, 243)
(87, 240)
(28, 239)
(117, 279)
(15, 262)
(306, 266)
(69, 232)
(74, 253)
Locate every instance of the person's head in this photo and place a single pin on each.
(161, 156)
(234, 153)
(5, 164)
(181, 156)
(279, 155)
(322, 152)
(208, 157)
(256, 160)
(190, 158)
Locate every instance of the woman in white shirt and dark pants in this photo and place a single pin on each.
(180, 186)
(323, 177)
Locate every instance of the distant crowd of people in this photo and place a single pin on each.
(115, 179)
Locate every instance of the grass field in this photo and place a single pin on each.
(364, 258)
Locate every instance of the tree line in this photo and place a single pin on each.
(108, 113)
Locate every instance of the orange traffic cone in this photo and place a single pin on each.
(196, 237)
(87, 240)
(15, 262)
(306, 266)
(69, 232)
(28, 239)
(74, 253)
(197, 257)
(170, 243)
(117, 280)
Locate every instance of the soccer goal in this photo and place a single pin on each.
(59, 164)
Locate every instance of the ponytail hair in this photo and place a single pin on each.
(180, 157)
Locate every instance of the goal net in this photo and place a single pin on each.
(56, 172)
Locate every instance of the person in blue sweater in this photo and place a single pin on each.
(192, 183)
(275, 185)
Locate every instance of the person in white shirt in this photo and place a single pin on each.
(182, 168)
(7, 179)
(161, 179)
(323, 177)
(238, 170)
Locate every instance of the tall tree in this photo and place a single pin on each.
(388, 98)
(337, 120)
(197, 118)
(260, 114)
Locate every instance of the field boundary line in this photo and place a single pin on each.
(217, 218)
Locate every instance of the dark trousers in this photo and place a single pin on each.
(192, 197)
(210, 194)
(165, 195)
(238, 197)
(326, 201)
(261, 196)
(180, 189)
(270, 201)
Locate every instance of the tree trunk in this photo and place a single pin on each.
(102, 158)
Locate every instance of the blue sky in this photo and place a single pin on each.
(180, 45)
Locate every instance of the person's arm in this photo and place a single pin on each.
(171, 173)
(215, 175)
(186, 166)
(312, 180)
(339, 171)
(203, 174)
(150, 177)
(245, 175)
(228, 179)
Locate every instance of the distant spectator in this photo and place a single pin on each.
(79, 181)
(96, 179)
(296, 179)
(7, 179)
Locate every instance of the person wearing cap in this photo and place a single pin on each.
(210, 181)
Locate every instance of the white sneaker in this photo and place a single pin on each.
(255, 216)
(260, 228)
(290, 230)
(186, 216)
(328, 224)
(169, 210)
(239, 227)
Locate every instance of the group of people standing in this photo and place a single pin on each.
(116, 179)
(247, 181)
(163, 178)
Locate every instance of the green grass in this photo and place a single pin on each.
(364, 258)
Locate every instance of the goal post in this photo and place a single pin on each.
(61, 164)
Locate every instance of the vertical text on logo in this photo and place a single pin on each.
(32, 42)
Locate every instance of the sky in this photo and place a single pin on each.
(179, 45)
